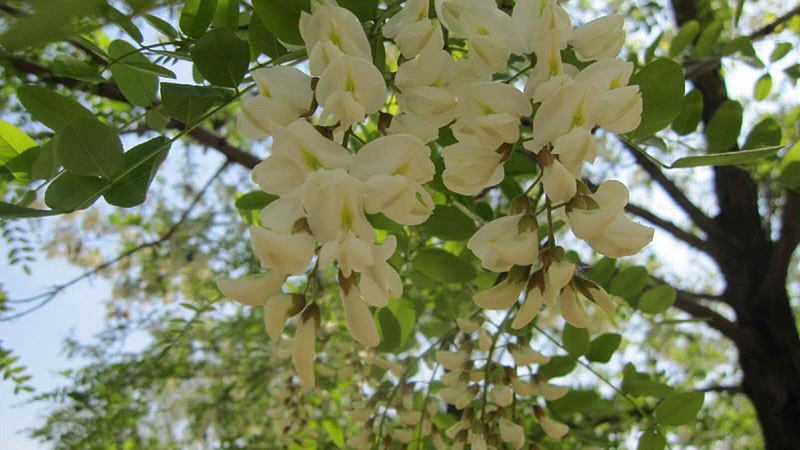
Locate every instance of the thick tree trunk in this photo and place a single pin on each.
(755, 271)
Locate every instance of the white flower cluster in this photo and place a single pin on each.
(325, 190)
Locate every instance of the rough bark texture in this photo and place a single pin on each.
(755, 271)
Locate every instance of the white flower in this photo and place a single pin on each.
(331, 31)
(553, 428)
(424, 84)
(334, 201)
(512, 433)
(304, 341)
(620, 110)
(572, 309)
(277, 309)
(568, 107)
(281, 252)
(532, 304)
(400, 199)
(358, 317)
(501, 295)
(502, 395)
(558, 182)
(415, 38)
(599, 39)
(601, 298)
(252, 290)
(414, 125)
(380, 282)
(550, 392)
(349, 89)
(413, 11)
(466, 325)
(505, 242)
(602, 208)
(488, 31)
(524, 355)
(286, 84)
(548, 66)
(533, 19)
(261, 117)
(556, 275)
(296, 152)
(489, 113)
(469, 167)
(575, 148)
(282, 214)
(452, 360)
(622, 238)
(397, 154)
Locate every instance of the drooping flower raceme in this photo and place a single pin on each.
(368, 156)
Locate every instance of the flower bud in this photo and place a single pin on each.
(304, 342)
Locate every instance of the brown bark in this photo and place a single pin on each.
(755, 271)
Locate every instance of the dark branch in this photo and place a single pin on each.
(714, 319)
(733, 389)
(770, 27)
(670, 227)
(49, 296)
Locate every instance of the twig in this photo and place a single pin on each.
(51, 295)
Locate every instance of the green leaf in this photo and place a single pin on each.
(575, 340)
(650, 52)
(603, 347)
(443, 266)
(602, 271)
(254, 201)
(334, 431)
(691, 113)
(197, 16)
(766, 133)
(725, 159)
(658, 299)
(763, 87)
(708, 38)
(281, 17)
(389, 330)
(629, 282)
(363, 9)
(781, 49)
(262, 40)
(162, 26)
(645, 387)
(450, 224)
(13, 141)
(793, 72)
(652, 440)
(378, 51)
(575, 401)
(72, 67)
(685, 36)
(519, 164)
(89, 147)
(724, 127)
(21, 165)
(188, 103)
(406, 317)
(53, 110)
(46, 166)
(790, 167)
(70, 192)
(131, 189)
(138, 86)
(227, 15)
(662, 86)
(221, 57)
(680, 408)
(558, 366)
(125, 23)
(156, 119)
(11, 211)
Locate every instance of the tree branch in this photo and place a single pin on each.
(49, 296)
(110, 91)
(670, 227)
(714, 319)
(767, 29)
